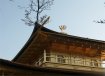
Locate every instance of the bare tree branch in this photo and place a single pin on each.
(36, 7)
(34, 10)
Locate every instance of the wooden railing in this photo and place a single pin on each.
(59, 59)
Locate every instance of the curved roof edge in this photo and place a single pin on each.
(28, 42)
(33, 35)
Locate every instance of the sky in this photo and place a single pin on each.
(77, 15)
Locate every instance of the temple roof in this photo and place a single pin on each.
(39, 27)
(28, 50)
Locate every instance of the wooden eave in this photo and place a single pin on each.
(17, 68)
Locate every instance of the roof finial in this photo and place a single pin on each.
(62, 28)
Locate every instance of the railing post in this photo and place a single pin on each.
(44, 56)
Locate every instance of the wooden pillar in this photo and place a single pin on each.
(44, 56)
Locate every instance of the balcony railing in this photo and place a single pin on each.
(54, 58)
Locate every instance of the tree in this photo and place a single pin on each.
(35, 8)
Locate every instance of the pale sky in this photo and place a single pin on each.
(77, 15)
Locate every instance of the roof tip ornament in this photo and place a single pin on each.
(44, 20)
(62, 28)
